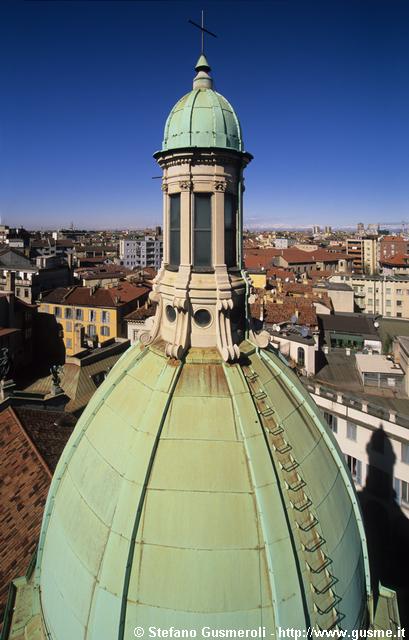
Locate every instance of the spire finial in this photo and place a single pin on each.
(203, 31)
(202, 79)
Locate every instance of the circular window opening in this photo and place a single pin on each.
(170, 313)
(202, 318)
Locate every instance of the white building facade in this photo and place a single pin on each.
(146, 251)
(355, 424)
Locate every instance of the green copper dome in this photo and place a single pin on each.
(203, 117)
(242, 516)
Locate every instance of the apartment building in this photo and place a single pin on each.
(26, 280)
(145, 251)
(374, 439)
(391, 246)
(379, 295)
(364, 253)
(92, 315)
(283, 243)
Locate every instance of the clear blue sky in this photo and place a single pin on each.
(321, 89)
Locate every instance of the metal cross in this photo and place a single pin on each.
(202, 29)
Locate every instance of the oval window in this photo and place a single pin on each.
(202, 318)
(170, 313)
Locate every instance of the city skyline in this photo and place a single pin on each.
(82, 107)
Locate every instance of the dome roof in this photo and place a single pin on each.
(203, 117)
(240, 517)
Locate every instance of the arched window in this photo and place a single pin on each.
(300, 357)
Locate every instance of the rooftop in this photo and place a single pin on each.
(340, 373)
(349, 323)
(333, 286)
(256, 258)
(96, 297)
(283, 312)
(390, 328)
(31, 444)
(375, 363)
(141, 313)
(399, 260)
(377, 278)
(298, 256)
(82, 375)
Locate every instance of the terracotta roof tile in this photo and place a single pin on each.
(141, 314)
(297, 287)
(399, 260)
(24, 483)
(123, 293)
(49, 430)
(275, 313)
(298, 256)
(316, 274)
(280, 274)
(257, 258)
(102, 271)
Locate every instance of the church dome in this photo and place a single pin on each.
(201, 486)
(203, 117)
(244, 516)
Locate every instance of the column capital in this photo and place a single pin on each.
(186, 185)
(220, 185)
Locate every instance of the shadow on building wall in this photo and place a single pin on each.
(321, 361)
(386, 526)
(49, 345)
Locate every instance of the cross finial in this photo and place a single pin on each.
(203, 30)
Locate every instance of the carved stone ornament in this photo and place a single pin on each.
(220, 186)
(164, 186)
(145, 338)
(185, 185)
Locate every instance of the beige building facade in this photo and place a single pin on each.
(379, 295)
(365, 254)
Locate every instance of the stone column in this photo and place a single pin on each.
(165, 223)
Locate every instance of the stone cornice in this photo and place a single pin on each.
(201, 156)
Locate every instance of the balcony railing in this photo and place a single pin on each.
(354, 402)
